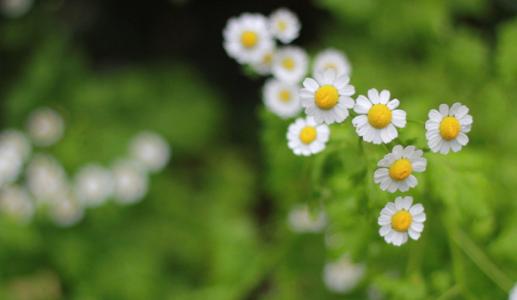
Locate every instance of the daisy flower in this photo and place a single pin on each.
(326, 98)
(513, 293)
(396, 169)
(130, 182)
(284, 25)
(290, 64)
(378, 117)
(66, 211)
(400, 219)
(93, 185)
(17, 142)
(11, 164)
(281, 98)
(306, 137)
(342, 275)
(46, 178)
(264, 64)
(16, 202)
(45, 127)
(150, 150)
(301, 220)
(15, 8)
(331, 59)
(447, 128)
(246, 37)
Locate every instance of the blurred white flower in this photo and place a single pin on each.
(301, 220)
(130, 182)
(15, 8)
(290, 64)
(10, 165)
(264, 64)
(331, 59)
(284, 25)
(342, 275)
(151, 150)
(45, 126)
(281, 98)
(46, 178)
(513, 293)
(16, 202)
(17, 142)
(66, 210)
(93, 185)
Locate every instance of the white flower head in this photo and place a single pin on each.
(378, 117)
(342, 275)
(290, 64)
(45, 127)
(301, 220)
(246, 37)
(16, 202)
(93, 185)
(265, 63)
(306, 137)
(46, 178)
(447, 128)
(15, 8)
(17, 142)
(11, 164)
(332, 59)
(130, 182)
(327, 97)
(513, 293)
(284, 25)
(150, 150)
(66, 211)
(281, 98)
(396, 169)
(400, 219)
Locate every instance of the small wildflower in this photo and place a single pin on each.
(284, 25)
(93, 185)
(331, 59)
(306, 137)
(45, 127)
(447, 128)
(150, 150)
(342, 275)
(281, 98)
(400, 219)
(290, 64)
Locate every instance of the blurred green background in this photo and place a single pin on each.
(214, 223)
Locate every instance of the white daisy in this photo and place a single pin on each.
(246, 37)
(306, 137)
(93, 185)
(15, 8)
(150, 150)
(66, 211)
(45, 127)
(130, 182)
(342, 275)
(331, 59)
(327, 97)
(447, 128)
(396, 169)
(400, 219)
(281, 98)
(16, 202)
(264, 64)
(290, 64)
(301, 220)
(11, 164)
(284, 25)
(16, 141)
(46, 178)
(378, 117)
(513, 293)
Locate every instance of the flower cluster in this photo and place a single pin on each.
(327, 97)
(29, 182)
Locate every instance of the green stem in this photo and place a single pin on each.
(450, 293)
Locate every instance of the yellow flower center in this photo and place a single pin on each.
(401, 221)
(449, 128)
(401, 169)
(288, 63)
(249, 39)
(267, 58)
(379, 116)
(326, 97)
(282, 25)
(284, 95)
(308, 135)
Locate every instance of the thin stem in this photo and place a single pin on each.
(450, 293)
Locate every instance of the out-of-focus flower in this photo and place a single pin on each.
(93, 185)
(396, 169)
(301, 220)
(45, 127)
(513, 293)
(378, 117)
(66, 210)
(15, 8)
(327, 98)
(290, 64)
(151, 150)
(281, 98)
(400, 219)
(130, 182)
(342, 275)
(331, 59)
(247, 37)
(447, 128)
(10, 165)
(284, 25)
(16, 141)
(16, 202)
(264, 64)
(306, 137)
(46, 178)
